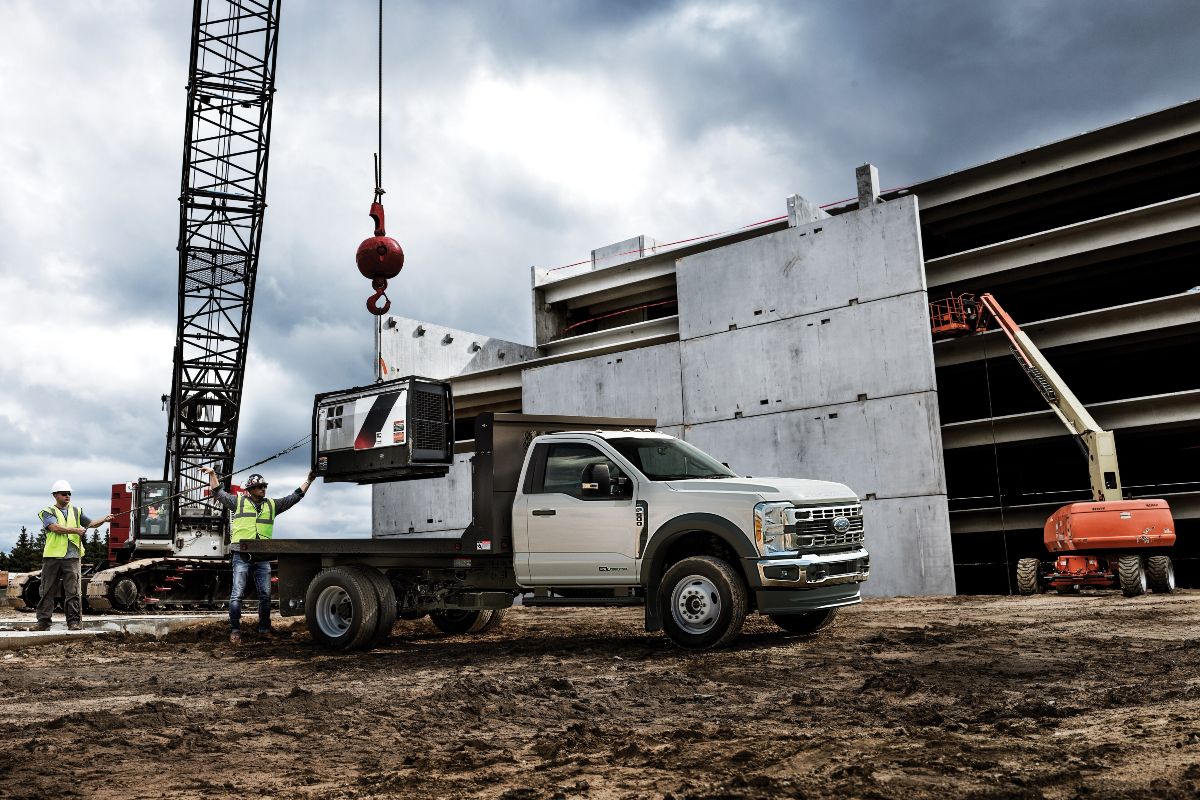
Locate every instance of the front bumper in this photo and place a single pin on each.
(812, 571)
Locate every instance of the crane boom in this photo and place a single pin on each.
(1098, 444)
(230, 91)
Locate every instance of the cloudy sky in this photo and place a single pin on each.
(516, 134)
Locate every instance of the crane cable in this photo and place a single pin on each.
(379, 117)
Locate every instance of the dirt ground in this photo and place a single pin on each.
(1074, 696)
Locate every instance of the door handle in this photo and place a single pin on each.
(544, 512)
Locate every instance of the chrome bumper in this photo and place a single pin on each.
(815, 570)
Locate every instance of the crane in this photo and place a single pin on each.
(166, 552)
(1110, 541)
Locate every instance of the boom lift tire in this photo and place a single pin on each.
(341, 608)
(1131, 575)
(703, 603)
(807, 623)
(456, 621)
(1027, 575)
(1160, 574)
(386, 595)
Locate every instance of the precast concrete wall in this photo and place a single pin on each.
(802, 353)
(433, 505)
(410, 347)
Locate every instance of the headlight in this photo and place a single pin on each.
(768, 528)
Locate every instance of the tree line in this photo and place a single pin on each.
(26, 554)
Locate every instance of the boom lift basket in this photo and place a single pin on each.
(392, 431)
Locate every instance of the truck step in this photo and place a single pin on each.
(606, 600)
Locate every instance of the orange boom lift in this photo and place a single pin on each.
(1107, 542)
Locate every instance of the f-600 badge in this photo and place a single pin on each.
(603, 568)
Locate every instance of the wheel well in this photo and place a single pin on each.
(697, 543)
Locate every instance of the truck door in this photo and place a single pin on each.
(574, 539)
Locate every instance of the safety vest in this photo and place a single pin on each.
(252, 523)
(56, 543)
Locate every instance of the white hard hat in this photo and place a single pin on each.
(60, 486)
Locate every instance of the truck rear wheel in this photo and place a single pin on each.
(1160, 574)
(1027, 575)
(341, 608)
(702, 602)
(455, 621)
(806, 623)
(1131, 576)
(494, 621)
(386, 596)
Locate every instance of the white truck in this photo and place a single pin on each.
(574, 511)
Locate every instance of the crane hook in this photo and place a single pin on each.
(380, 287)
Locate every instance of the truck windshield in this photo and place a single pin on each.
(670, 459)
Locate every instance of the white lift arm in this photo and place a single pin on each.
(1100, 445)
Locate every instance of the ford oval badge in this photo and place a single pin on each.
(841, 524)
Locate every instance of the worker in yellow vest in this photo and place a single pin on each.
(253, 518)
(64, 526)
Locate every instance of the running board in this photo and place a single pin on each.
(607, 600)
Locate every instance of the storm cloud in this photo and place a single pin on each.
(515, 135)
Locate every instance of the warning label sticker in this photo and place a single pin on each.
(398, 436)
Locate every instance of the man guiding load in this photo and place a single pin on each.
(64, 525)
(253, 518)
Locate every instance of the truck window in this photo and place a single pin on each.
(565, 464)
(670, 459)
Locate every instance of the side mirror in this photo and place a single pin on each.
(597, 481)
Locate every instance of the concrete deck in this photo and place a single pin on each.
(16, 633)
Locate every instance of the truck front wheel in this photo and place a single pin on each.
(341, 608)
(805, 624)
(702, 602)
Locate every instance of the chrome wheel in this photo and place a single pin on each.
(695, 604)
(334, 611)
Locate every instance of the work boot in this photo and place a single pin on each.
(74, 626)
(235, 638)
(42, 625)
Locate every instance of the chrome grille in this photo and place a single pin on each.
(827, 512)
(827, 540)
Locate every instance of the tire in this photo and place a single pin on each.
(1027, 575)
(494, 621)
(1160, 574)
(459, 621)
(342, 608)
(386, 596)
(1131, 575)
(702, 602)
(806, 623)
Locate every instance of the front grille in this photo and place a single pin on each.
(826, 541)
(813, 527)
(827, 512)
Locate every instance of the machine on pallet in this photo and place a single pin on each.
(1108, 542)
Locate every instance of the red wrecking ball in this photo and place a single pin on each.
(379, 258)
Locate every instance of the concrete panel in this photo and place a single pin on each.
(909, 542)
(633, 383)
(867, 255)
(878, 349)
(411, 347)
(623, 252)
(424, 506)
(888, 448)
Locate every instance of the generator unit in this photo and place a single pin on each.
(394, 430)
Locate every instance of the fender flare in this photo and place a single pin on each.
(668, 533)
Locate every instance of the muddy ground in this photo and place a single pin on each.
(1048, 696)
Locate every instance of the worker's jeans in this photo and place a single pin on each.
(66, 570)
(242, 566)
